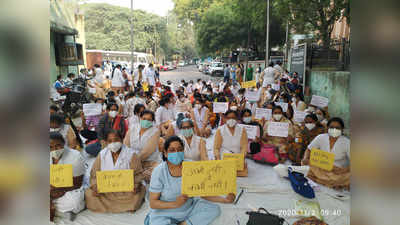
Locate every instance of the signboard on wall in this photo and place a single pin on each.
(298, 55)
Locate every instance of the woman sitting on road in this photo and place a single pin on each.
(195, 146)
(57, 124)
(308, 132)
(143, 140)
(336, 143)
(168, 205)
(112, 120)
(201, 117)
(69, 199)
(230, 138)
(282, 143)
(115, 156)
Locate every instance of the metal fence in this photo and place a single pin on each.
(336, 57)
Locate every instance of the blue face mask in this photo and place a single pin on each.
(187, 132)
(146, 124)
(176, 158)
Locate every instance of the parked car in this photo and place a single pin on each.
(216, 68)
(181, 64)
(163, 67)
(170, 66)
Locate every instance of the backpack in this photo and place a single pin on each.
(267, 155)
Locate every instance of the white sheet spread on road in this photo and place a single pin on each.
(264, 188)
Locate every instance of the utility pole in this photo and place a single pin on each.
(267, 38)
(132, 52)
(286, 42)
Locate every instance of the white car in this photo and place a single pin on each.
(181, 64)
(216, 68)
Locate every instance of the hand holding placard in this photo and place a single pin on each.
(115, 181)
(278, 129)
(319, 101)
(220, 107)
(263, 113)
(61, 175)
(322, 159)
(209, 178)
(92, 109)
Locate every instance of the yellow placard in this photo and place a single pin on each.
(145, 86)
(249, 84)
(322, 159)
(61, 175)
(115, 181)
(209, 178)
(239, 158)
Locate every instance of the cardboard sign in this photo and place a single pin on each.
(278, 129)
(145, 86)
(239, 159)
(319, 101)
(249, 84)
(263, 113)
(115, 181)
(92, 109)
(322, 159)
(252, 96)
(284, 105)
(299, 116)
(250, 130)
(220, 107)
(61, 175)
(209, 178)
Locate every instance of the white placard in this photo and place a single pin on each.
(263, 113)
(252, 96)
(284, 105)
(319, 101)
(251, 130)
(92, 109)
(220, 107)
(299, 116)
(278, 129)
(92, 90)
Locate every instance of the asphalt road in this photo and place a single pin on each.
(187, 73)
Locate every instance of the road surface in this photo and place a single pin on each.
(187, 73)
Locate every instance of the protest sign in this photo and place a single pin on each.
(239, 158)
(249, 84)
(61, 175)
(284, 105)
(92, 109)
(263, 113)
(322, 159)
(252, 96)
(319, 101)
(220, 107)
(278, 129)
(299, 116)
(209, 178)
(250, 130)
(115, 181)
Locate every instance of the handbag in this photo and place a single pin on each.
(267, 155)
(300, 184)
(261, 218)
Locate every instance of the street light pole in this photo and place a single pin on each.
(131, 23)
(267, 38)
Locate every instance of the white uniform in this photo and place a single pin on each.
(341, 149)
(230, 143)
(268, 77)
(72, 201)
(192, 150)
(138, 142)
(117, 80)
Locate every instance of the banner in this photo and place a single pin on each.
(249, 84)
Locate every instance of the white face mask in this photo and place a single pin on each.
(247, 119)
(231, 122)
(114, 147)
(55, 129)
(277, 117)
(234, 108)
(333, 132)
(310, 126)
(113, 114)
(56, 154)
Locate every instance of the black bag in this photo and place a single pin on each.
(260, 218)
(255, 147)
